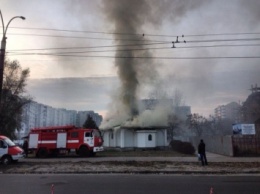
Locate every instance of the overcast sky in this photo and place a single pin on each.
(86, 80)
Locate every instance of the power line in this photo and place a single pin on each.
(79, 31)
(224, 40)
(92, 47)
(152, 42)
(81, 37)
(136, 57)
(223, 45)
(139, 40)
(224, 34)
(73, 52)
(137, 34)
(127, 50)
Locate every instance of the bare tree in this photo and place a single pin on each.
(174, 123)
(198, 123)
(218, 126)
(13, 98)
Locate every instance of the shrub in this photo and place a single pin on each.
(182, 147)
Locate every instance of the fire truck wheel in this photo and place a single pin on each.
(42, 153)
(93, 153)
(84, 151)
(6, 160)
(54, 153)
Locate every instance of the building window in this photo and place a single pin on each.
(150, 137)
(112, 135)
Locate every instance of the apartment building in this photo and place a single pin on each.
(39, 115)
(229, 111)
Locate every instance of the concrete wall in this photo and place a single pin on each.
(117, 136)
(216, 144)
(128, 136)
(161, 137)
(106, 138)
(109, 138)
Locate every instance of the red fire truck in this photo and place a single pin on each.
(64, 139)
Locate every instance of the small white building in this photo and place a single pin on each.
(135, 137)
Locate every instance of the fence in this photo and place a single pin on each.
(236, 145)
(215, 144)
(246, 145)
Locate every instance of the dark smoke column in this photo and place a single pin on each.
(128, 16)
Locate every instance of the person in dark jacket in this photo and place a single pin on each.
(202, 153)
(25, 147)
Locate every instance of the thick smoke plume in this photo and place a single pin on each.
(128, 18)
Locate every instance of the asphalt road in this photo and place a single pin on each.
(127, 184)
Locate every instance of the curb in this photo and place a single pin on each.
(143, 172)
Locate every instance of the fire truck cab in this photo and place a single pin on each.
(64, 139)
(9, 152)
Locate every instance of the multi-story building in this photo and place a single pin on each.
(40, 115)
(220, 112)
(229, 111)
(30, 114)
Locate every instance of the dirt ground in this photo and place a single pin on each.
(138, 161)
(131, 167)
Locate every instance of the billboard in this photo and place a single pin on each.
(244, 129)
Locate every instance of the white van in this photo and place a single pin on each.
(9, 152)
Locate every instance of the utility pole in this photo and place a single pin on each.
(3, 46)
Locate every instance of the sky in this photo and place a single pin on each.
(72, 50)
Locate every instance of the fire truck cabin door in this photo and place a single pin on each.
(89, 139)
(61, 140)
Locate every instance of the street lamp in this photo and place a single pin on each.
(3, 45)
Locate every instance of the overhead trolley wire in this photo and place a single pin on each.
(224, 40)
(147, 44)
(93, 47)
(138, 40)
(127, 50)
(81, 37)
(74, 52)
(136, 34)
(144, 57)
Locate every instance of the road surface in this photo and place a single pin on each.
(127, 184)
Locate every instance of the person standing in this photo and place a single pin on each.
(202, 153)
(25, 147)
